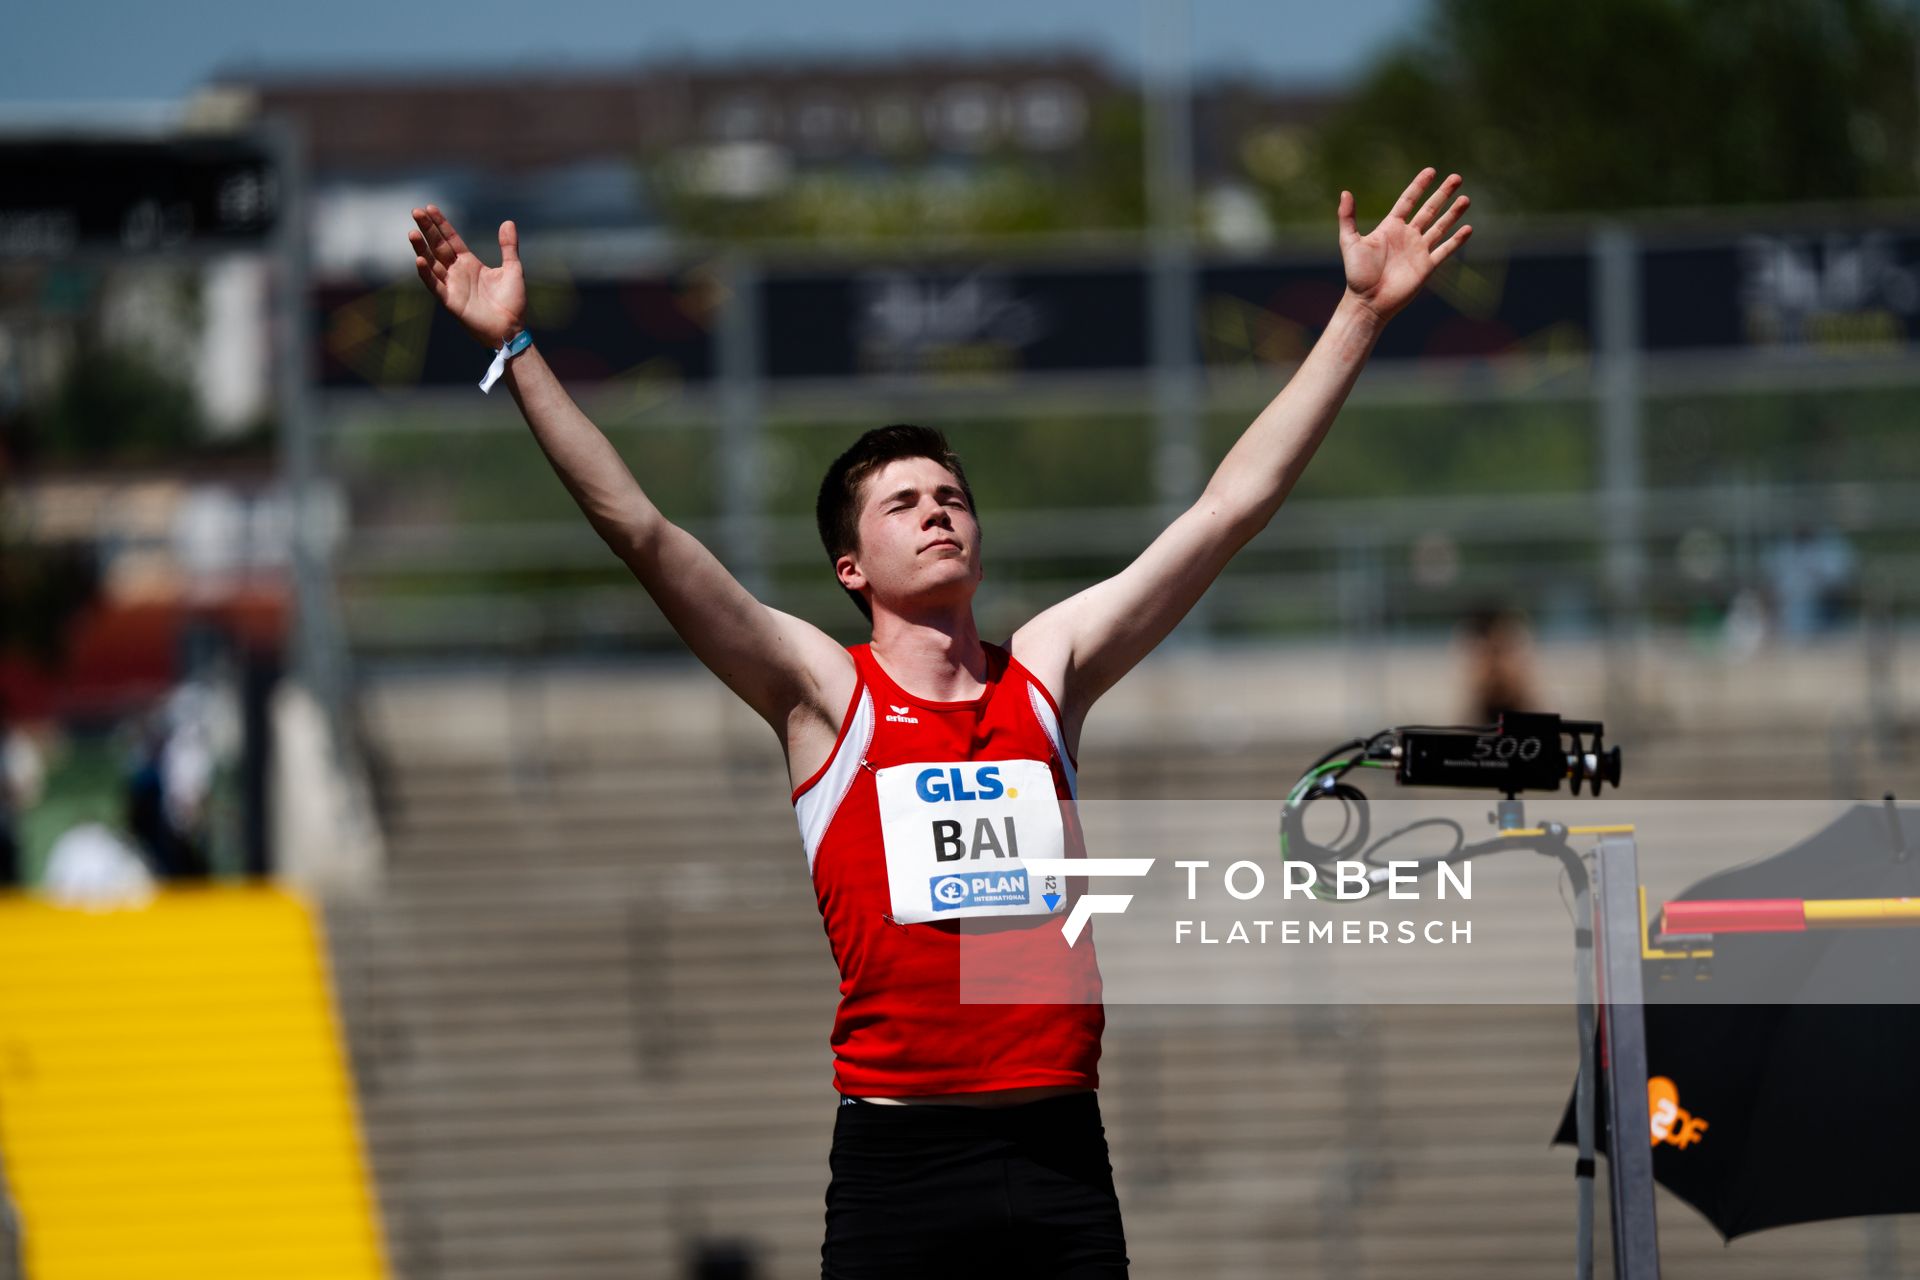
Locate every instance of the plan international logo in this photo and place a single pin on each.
(980, 889)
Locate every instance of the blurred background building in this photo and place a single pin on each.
(283, 596)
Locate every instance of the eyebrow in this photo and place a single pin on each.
(911, 492)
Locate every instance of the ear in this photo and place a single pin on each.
(848, 571)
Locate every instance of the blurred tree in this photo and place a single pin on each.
(42, 587)
(1629, 104)
(121, 342)
(116, 403)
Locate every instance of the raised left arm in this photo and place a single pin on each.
(1084, 644)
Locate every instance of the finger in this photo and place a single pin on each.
(1348, 232)
(1435, 203)
(1438, 230)
(422, 250)
(436, 243)
(1445, 251)
(426, 275)
(1408, 198)
(446, 229)
(509, 242)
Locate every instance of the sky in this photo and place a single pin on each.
(71, 52)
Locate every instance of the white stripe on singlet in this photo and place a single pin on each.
(1043, 711)
(817, 804)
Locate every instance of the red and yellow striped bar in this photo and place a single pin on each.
(1789, 915)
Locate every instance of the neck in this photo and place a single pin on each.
(937, 656)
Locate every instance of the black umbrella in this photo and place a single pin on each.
(1805, 1108)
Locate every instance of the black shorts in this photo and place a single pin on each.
(926, 1191)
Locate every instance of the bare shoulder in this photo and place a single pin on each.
(811, 725)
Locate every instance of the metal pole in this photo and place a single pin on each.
(1171, 296)
(739, 499)
(314, 639)
(1583, 1094)
(1636, 1235)
(1623, 484)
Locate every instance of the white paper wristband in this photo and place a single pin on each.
(513, 346)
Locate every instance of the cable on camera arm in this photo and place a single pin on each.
(1322, 781)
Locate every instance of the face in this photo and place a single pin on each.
(919, 541)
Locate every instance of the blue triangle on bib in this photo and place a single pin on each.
(1051, 899)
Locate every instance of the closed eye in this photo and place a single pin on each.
(908, 500)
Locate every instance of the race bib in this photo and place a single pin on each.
(955, 835)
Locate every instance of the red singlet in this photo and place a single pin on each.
(914, 830)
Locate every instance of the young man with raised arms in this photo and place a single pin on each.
(926, 762)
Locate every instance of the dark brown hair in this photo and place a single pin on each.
(838, 510)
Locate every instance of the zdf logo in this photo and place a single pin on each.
(1669, 1121)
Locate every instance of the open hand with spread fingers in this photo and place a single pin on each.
(491, 302)
(1387, 266)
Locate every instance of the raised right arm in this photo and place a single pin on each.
(789, 671)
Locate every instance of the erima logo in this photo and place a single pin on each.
(899, 715)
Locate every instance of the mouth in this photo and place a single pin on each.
(942, 542)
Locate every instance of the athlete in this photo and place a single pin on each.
(927, 763)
